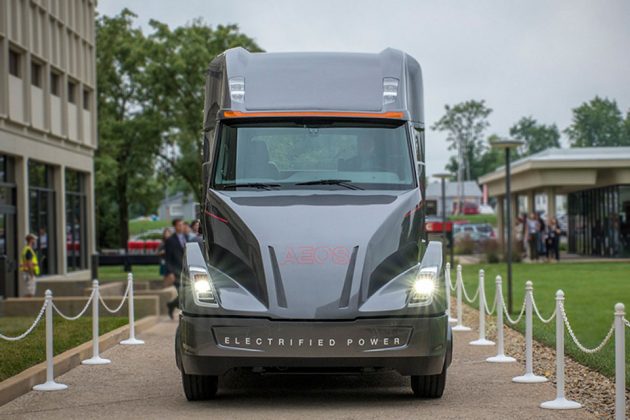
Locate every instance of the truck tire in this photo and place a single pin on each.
(429, 386)
(199, 387)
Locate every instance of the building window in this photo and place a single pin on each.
(86, 99)
(36, 74)
(72, 91)
(15, 59)
(42, 214)
(76, 221)
(8, 229)
(54, 83)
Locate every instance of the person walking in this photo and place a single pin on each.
(166, 233)
(195, 232)
(29, 266)
(553, 240)
(174, 248)
(542, 235)
(532, 237)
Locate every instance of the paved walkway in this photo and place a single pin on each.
(143, 382)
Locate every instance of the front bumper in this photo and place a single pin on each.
(411, 346)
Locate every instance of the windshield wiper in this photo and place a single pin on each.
(259, 185)
(347, 183)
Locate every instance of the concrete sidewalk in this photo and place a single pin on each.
(143, 382)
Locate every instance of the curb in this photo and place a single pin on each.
(23, 382)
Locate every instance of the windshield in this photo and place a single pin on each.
(331, 155)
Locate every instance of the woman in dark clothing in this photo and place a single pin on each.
(553, 240)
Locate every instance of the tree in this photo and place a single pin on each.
(537, 137)
(129, 132)
(489, 160)
(597, 123)
(176, 70)
(464, 124)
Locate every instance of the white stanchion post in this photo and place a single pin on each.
(447, 278)
(482, 341)
(529, 377)
(96, 359)
(560, 403)
(620, 362)
(50, 384)
(459, 283)
(500, 357)
(132, 340)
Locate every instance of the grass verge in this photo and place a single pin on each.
(476, 218)
(591, 291)
(17, 356)
(140, 273)
(137, 227)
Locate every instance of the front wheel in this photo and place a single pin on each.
(429, 386)
(199, 387)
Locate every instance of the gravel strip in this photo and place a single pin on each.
(590, 388)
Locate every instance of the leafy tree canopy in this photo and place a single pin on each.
(150, 109)
(464, 124)
(598, 122)
(537, 137)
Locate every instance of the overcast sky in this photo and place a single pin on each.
(539, 58)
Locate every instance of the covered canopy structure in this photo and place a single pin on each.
(596, 182)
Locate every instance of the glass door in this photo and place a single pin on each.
(8, 240)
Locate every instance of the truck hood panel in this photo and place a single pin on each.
(318, 251)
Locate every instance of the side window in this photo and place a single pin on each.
(417, 131)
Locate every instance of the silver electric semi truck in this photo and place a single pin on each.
(314, 255)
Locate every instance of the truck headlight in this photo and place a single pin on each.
(203, 290)
(424, 286)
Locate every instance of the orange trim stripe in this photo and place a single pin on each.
(239, 114)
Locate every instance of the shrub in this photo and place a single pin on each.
(464, 245)
(490, 248)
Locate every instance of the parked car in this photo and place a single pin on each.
(476, 231)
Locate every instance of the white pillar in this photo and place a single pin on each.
(132, 340)
(96, 359)
(447, 282)
(460, 283)
(50, 384)
(529, 377)
(620, 363)
(482, 341)
(500, 357)
(560, 403)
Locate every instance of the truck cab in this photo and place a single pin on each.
(314, 255)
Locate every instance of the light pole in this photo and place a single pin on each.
(508, 145)
(443, 177)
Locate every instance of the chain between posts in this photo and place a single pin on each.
(30, 329)
(74, 318)
(625, 321)
(542, 319)
(466, 294)
(494, 305)
(577, 342)
(520, 315)
(122, 302)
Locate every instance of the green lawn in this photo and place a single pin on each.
(140, 273)
(17, 356)
(136, 227)
(477, 218)
(591, 291)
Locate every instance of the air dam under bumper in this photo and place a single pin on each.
(411, 346)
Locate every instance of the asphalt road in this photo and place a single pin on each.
(143, 382)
